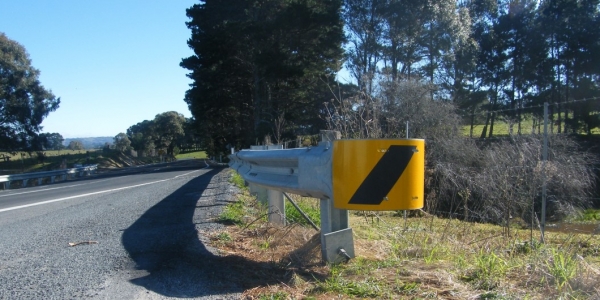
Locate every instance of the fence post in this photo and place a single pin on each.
(544, 159)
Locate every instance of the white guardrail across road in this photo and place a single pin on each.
(25, 177)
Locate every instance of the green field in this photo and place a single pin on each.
(191, 155)
(501, 128)
(24, 162)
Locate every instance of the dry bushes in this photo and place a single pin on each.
(385, 115)
(483, 180)
(498, 180)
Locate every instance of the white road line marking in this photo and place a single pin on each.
(54, 188)
(90, 194)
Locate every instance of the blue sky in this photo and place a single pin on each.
(113, 63)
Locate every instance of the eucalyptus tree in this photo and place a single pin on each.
(168, 129)
(122, 142)
(75, 145)
(24, 102)
(142, 136)
(52, 141)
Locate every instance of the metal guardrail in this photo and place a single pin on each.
(25, 177)
(375, 174)
(301, 171)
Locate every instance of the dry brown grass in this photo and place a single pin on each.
(420, 258)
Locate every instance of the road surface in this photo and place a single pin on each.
(137, 235)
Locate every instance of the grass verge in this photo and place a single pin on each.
(191, 155)
(422, 257)
(24, 162)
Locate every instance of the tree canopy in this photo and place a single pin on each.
(259, 68)
(141, 136)
(168, 129)
(263, 67)
(164, 132)
(52, 141)
(484, 56)
(122, 142)
(24, 102)
(75, 145)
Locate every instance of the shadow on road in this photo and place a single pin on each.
(164, 242)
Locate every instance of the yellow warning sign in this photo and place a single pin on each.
(378, 174)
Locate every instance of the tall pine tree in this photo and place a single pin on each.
(258, 66)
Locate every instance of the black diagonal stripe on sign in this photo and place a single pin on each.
(384, 175)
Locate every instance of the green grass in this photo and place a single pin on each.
(422, 256)
(244, 208)
(237, 180)
(588, 216)
(191, 155)
(562, 266)
(23, 162)
(338, 283)
(276, 296)
(233, 213)
(309, 206)
(502, 128)
(591, 215)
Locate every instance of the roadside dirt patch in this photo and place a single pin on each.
(292, 252)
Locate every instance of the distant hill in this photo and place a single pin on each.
(91, 142)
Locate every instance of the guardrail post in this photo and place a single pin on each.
(276, 207)
(7, 185)
(307, 172)
(52, 178)
(335, 231)
(338, 218)
(25, 181)
(39, 181)
(259, 192)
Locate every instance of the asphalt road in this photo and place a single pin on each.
(142, 236)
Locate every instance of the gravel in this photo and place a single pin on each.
(146, 243)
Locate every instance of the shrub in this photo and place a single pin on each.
(494, 181)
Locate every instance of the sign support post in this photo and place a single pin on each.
(334, 220)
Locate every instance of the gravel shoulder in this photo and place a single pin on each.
(145, 243)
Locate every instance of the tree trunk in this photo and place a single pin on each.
(257, 101)
(487, 121)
